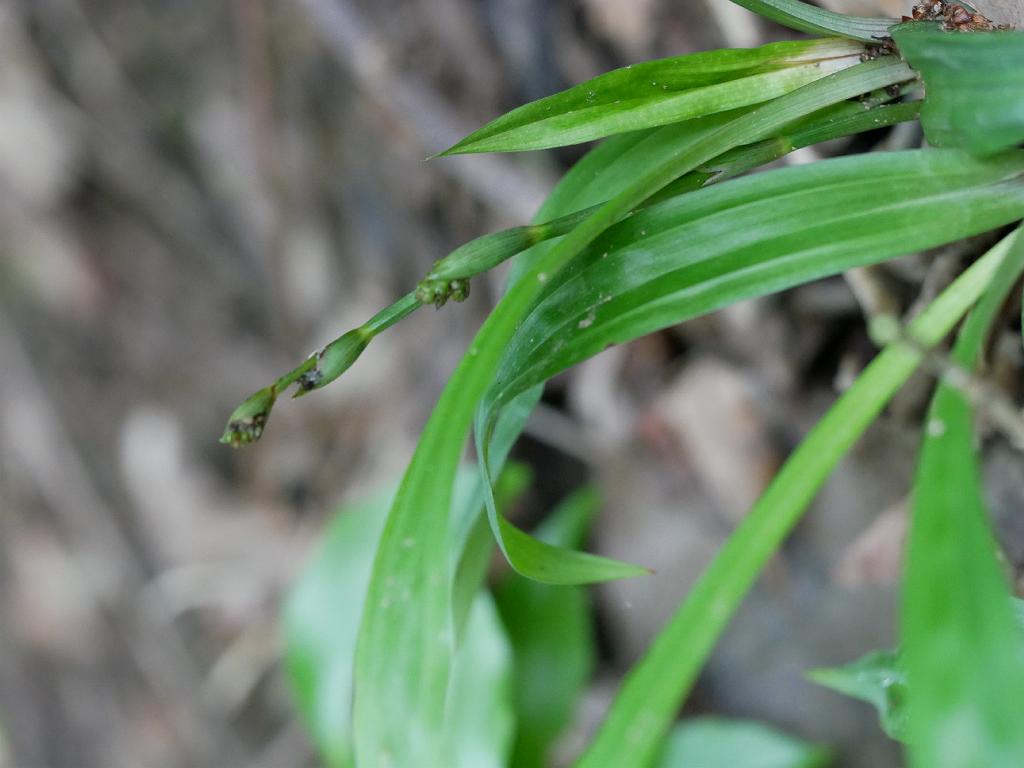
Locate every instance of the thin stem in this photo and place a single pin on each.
(397, 312)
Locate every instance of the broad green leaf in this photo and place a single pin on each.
(817, 21)
(754, 236)
(660, 92)
(877, 678)
(974, 84)
(651, 695)
(750, 237)
(961, 646)
(403, 655)
(713, 742)
(321, 615)
(551, 631)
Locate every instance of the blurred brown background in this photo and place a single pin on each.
(194, 195)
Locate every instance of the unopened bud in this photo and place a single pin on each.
(334, 359)
(248, 420)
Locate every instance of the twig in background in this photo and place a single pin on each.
(496, 181)
(107, 561)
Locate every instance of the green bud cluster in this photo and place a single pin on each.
(438, 292)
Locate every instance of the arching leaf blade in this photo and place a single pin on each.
(701, 251)
(754, 236)
(546, 563)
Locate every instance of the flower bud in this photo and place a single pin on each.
(248, 420)
(334, 359)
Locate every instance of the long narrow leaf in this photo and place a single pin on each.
(955, 607)
(645, 149)
(653, 691)
(660, 92)
(754, 236)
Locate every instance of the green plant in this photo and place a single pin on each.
(654, 226)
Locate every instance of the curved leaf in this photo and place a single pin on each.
(974, 82)
(817, 21)
(652, 692)
(660, 92)
(536, 559)
(955, 604)
(754, 236)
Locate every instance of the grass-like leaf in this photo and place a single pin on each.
(713, 742)
(536, 559)
(551, 631)
(961, 646)
(653, 691)
(974, 82)
(805, 17)
(660, 92)
(404, 652)
(754, 236)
